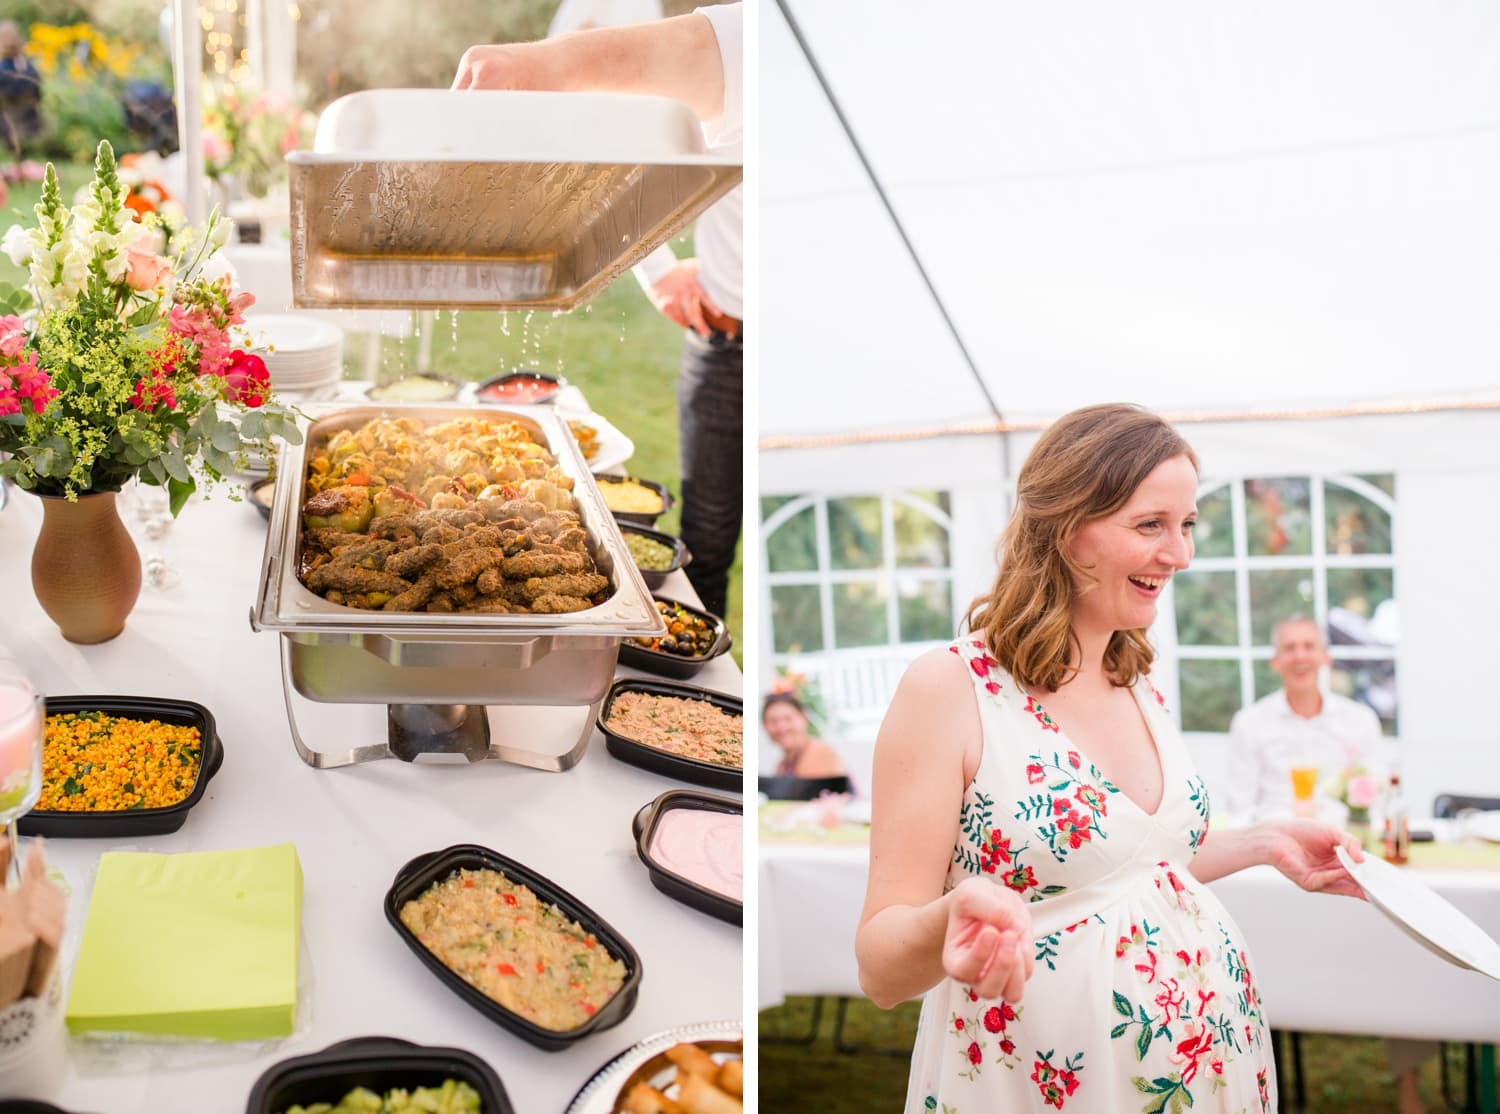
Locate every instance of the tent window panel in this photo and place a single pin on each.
(792, 546)
(1265, 678)
(854, 536)
(921, 541)
(926, 610)
(796, 619)
(1372, 683)
(1354, 524)
(1214, 534)
(1360, 603)
(1385, 481)
(859, 614)
(1275, 594)
(1205, 608)
(1210, 693)
(1278, 517)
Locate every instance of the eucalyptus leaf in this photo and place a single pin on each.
(157, 469)
(253, 426)
(225, 437)
(175, 465)
(179, 493)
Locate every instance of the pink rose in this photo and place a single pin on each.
(1362, 791)
(246, 379)
(146, 270)
(12, 336)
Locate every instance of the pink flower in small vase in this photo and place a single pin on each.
(145, 270)
(1362, 791)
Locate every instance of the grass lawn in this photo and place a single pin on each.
(1343, 1073)
(617, 349)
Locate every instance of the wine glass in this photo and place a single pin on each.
(21, 726)
(1304, 785)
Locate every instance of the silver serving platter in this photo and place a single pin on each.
(427, 198)
(436, 671)
(646, 1061)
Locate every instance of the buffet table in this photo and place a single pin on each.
(1324, 964)
(353, 829)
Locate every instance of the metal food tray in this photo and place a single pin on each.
(428, 198)
(436, 671)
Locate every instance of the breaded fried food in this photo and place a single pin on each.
(579, 584)
(411, 563)
(489, 582)
(464, 566)
(559, 605)
(441, 534)
(367, 553)
(416, 597)
(354, 580)
(441, 602)
(492, 605)
(524, 566)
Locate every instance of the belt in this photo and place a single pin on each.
(731, 327)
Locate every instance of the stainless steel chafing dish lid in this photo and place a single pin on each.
(284, 604)
(497, 200)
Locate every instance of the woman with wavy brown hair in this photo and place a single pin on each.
(1041, 842)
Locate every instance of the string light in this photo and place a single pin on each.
(1180, 417)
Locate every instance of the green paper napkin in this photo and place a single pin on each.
(202, 944)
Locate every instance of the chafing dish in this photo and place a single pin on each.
(427, 198)
(437, 672)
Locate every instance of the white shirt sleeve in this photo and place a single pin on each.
(1243, 789)
(728, 23)
(651, 270)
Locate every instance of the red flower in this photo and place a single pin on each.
(992, 688)
(993, 1022)
(1170, 1000)
(999, 849)
(975, 1056)
(1021, 879)
(1074, 760)
(1075, 826)
(1007, 1046)
(246, 379)
(1035, 774)
(958, 1023)
(1090, 796)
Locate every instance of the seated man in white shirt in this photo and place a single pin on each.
(1301, 725)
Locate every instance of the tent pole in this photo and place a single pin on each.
(187, 65)
(911, 250)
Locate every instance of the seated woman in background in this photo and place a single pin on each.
(802, 755)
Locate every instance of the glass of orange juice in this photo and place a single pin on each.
(1304, 784)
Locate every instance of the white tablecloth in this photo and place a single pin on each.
(1325, 964)
(355, 827)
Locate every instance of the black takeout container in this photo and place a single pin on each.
(660, 761)
(259, 495)
(676, 665)
(380, 1064)
(28, 1106)
(415, 877)
(137, 821)
(637, 518)
(674, 885)
(681, 558)
(519, 373)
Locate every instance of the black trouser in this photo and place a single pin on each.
(710, 416)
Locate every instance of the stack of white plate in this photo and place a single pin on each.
(303, 353)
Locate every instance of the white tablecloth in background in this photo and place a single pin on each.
(355, 827)
(1324, 964)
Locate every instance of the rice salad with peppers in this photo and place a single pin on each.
(515, 948)
(93, 762)
(693, 729)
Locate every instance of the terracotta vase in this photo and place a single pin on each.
(85, 569)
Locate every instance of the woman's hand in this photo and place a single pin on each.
(1303, 851)
(988, 943)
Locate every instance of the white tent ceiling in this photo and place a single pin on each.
(1183, 203)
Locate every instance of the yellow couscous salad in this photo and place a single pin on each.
(525, 953)
(93, 762)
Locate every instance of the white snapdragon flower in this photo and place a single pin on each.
(18, 244)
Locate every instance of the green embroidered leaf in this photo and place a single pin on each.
(1119, 1030)
(1122, 1005)
(1143, 1042)
(1060, 786)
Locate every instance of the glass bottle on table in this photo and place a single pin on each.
(1396, 831)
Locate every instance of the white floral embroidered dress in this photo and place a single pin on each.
(1142, 1000)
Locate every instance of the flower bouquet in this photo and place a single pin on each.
(1357, 790)
(124, 363)
(247, 138)
(119, 363)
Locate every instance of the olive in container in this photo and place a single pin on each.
(458, 864)
(676, 557)
(713, 757)
(132, 821)
(693, 846)
(694, 638)
(379, 1064)
(630, 499)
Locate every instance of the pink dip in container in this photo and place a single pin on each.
(704, 847)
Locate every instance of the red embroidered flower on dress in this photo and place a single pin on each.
(1035, 775)
(1021, 879)
(1073, 824)
(975, 1056)
(1040, 713)
(994, 1021)
(1170, 1000)
(1090, 796)
(1075, 761)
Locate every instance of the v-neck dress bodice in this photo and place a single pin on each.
(1142, 999)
